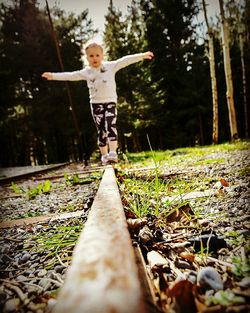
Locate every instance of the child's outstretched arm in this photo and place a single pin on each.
(47, 75)
(148, 55)
(132, 58)
(75, 75)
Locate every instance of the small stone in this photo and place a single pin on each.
(59, 268)
(31, 290)
(5, 249)
(45, 284)
(24, 258)
(11, 305)
(42, 273)
(209, 278)
(39, 227)
(21, 278)
(29, 272)
(245, 282)
(34, 265)
(244, 232)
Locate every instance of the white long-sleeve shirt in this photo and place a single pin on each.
(101, 81)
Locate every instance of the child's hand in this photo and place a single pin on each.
(47, 75)
(148, 55)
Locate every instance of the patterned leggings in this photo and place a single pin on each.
(105, 115)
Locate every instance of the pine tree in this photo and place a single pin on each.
(171, 35)
(133, 82)
(35, 119)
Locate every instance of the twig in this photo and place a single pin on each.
(220, 261)
(60, 261)
(57, 248)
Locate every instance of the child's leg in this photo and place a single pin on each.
(98, 114)
(103, 150)
(111, 117)
(113, 145)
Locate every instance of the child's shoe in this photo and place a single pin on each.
(112, 157)
(105, 159)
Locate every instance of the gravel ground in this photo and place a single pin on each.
(34, 257)
(197, 248)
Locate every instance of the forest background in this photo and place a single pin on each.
(168, 100)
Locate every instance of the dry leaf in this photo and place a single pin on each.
(187, 256)
(136, 223)
(180, 212)
(128, 213)
(224, 182)
(146, 235)
(183, 295)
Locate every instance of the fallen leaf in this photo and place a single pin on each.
(183, 295)
(178, 213)
(224, 182)
(187, 256)
(136, 223)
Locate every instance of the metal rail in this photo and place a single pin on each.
(33, 171)
(103, 276)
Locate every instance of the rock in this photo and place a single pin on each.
(245, 282)
(45, 284)
(21, 278)
(11, 305)
(25, 257)
(29, 271)
(59, 268)
(5, 249)
(244, 232)
(42, 273)
(34, 265)
(209, 278)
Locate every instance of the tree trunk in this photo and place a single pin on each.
(228, 75)
(244, 81)
(214, 90)
(213, 77)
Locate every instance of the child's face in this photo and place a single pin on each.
(94, 56)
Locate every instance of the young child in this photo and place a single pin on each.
(100, 77)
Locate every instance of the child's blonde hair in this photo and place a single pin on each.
(93, 45)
